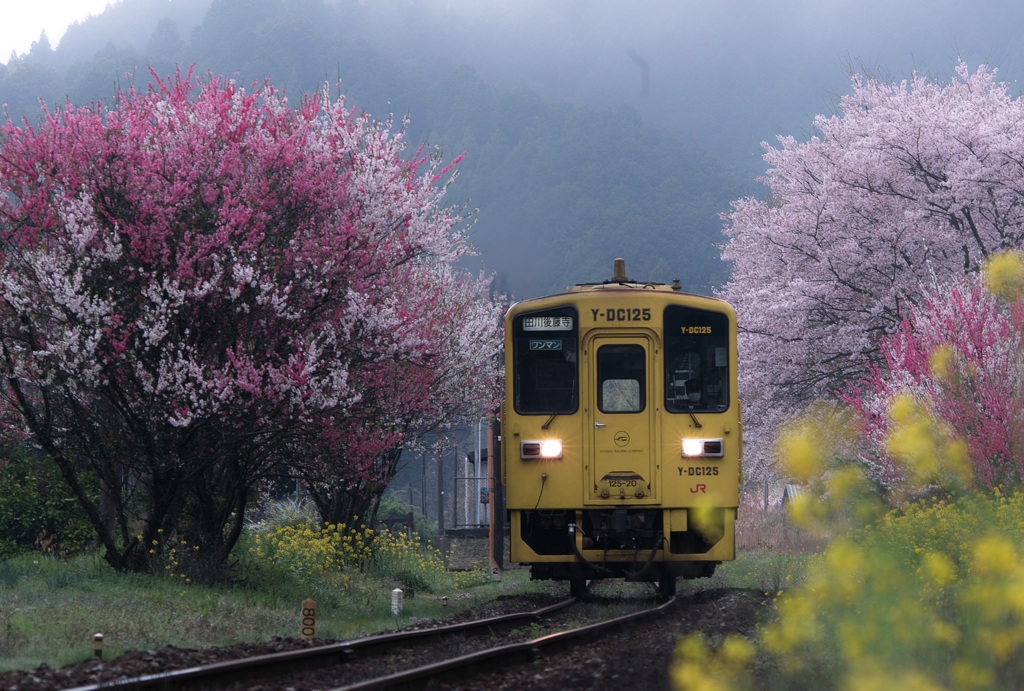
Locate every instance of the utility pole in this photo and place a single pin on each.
(445, 545)
(440, 492)
(455, 487)
(476, 474)
(497, 499)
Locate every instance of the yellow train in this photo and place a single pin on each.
(621, 433)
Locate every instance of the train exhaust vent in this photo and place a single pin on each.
(619, 274)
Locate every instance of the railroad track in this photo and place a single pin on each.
(222, 674)
(492, 659)
(278, 666)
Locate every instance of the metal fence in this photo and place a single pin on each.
(471, 502)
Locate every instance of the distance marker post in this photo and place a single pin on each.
(308, 619)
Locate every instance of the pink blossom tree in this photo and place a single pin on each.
(196, 280)
(909, 183)
(459, 373)
(960, 354)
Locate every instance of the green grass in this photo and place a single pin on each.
(50, 609)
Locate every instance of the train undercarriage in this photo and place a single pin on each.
(633, 544)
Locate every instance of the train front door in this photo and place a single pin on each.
(620, 420)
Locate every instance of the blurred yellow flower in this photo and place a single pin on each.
(1004, 274)
(737, 650)
(941, 361)
(801, 452)
(939, 569)
(965, 675)
(844, 481)
(994, 555)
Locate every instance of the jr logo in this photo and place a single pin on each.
(703, 489)
(621, 438)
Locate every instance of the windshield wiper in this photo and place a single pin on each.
(572, 395)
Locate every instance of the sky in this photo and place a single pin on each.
(23, 20)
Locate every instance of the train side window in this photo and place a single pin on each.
(621, 378)
(545, 368)
(696, 360)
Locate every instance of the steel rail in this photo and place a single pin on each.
(503, 656)
(221, 674)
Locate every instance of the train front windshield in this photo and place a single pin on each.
(546, 373)
(696, 360)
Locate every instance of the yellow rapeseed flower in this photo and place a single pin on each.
(844, 481)
(939, 568)
(941, 361)
(801, 511)
(801, 452)
(1004, 274)
(994, 555)
(737, 650)
(945, 633)
(868, 679)
(966, 676)
(912, 439)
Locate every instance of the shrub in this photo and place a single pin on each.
(314, 554)
(292, 512)
(407, 561)
(395, 508)
(37, 509)
(470, 578)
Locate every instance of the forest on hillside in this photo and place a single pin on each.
(561, 189)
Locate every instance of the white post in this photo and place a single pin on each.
(396, 601)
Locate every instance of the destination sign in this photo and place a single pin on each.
(547, 323)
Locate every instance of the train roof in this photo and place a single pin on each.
(620, 283)
(595, 290)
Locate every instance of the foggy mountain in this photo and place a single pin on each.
(129, 27)
(724, 75)
(592, 129)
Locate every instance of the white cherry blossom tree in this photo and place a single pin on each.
(910, 184)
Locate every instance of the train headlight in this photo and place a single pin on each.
(693, 447)
(703, 448)
(548, 448)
